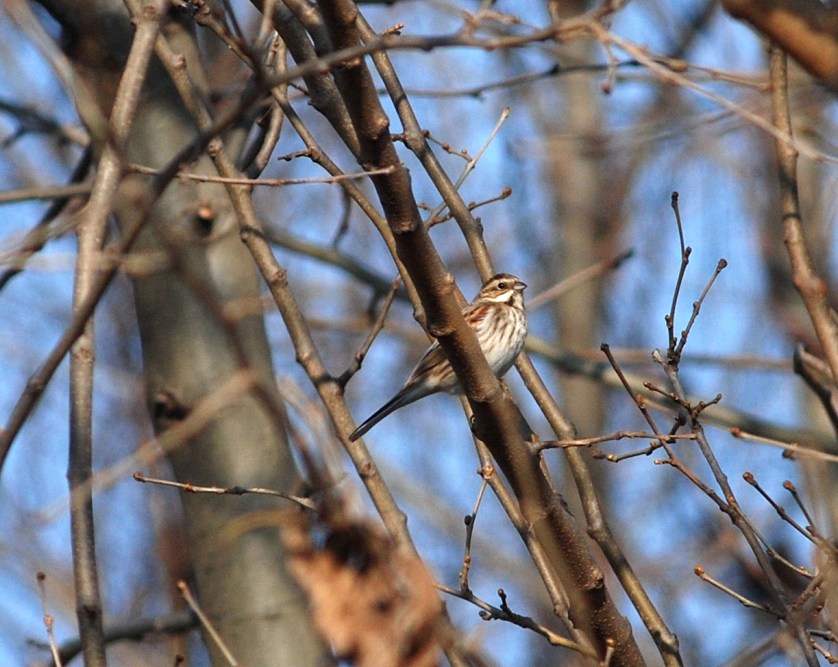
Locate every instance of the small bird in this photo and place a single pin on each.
(498, 318)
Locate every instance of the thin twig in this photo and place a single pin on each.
(48, 620)
(818, 377)
(477, 91)
(416, 141)
(489, 612)
(470, 165)
(662, 440)
(727, 502)
(571, 282)
(636, 397)
(672, 76)
(812, 288)
(376, 328)
(701, 574)
(108, 174)
(612, 437)
(470, 520)
(741, 521)
(59, 192)
(253, 236)
(676, 292)
(720, 266)
(177, 622)
(271, 127)
(268, 182)
(598, 527)
(92, 231)
(552, 583)
(183, 587)
(37, 237)
(791, 449)
(781, 511)
(811, 528)
(830, 657)
(225, 491)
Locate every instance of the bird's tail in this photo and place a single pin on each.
(399, 400)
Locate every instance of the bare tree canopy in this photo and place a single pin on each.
(611, 229)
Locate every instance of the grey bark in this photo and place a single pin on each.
(190, 264)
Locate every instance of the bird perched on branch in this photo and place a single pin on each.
(497, 316)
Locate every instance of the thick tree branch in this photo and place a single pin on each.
(812, 288)
(805, 29)
(497, 421)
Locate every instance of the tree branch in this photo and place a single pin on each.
(497, 421)
(805, 29)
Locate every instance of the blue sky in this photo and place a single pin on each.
(709, 157)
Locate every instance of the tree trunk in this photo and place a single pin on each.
(190, 272)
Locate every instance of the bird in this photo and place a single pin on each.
(498, 317)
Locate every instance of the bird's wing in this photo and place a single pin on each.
(433, 358)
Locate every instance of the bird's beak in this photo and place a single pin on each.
(520, 285)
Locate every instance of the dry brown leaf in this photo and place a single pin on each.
(373, 602)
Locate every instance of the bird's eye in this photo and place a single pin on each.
(501, 285)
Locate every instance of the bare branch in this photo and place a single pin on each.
(701, 574)
(490, 612)
(224, 491)
(48, 620)
(183, 587)
(805, 30)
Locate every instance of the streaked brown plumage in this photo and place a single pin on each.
(499, 319)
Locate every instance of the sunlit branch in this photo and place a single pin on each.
(805, 30)
(812, 288)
